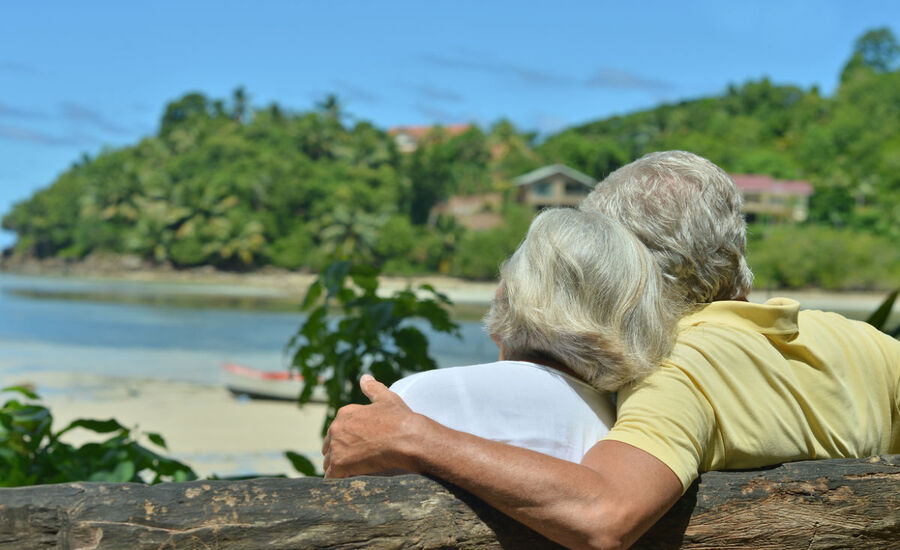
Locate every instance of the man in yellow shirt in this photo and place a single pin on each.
(747, 384)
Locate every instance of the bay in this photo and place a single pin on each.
(43, 329)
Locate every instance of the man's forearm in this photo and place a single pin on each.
(607, 501)
(573, 504)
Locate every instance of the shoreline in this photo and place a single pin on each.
(272, 288)
(269, 281)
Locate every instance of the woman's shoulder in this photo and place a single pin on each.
(484, 375)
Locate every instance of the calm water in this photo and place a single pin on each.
(40, 331)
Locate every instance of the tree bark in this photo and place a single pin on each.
(813, 504)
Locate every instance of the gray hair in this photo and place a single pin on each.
(687, 211)
(582, 290)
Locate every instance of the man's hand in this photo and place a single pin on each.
(367, 439)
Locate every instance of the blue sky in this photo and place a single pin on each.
(76, 77)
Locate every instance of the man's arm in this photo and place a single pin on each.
(607, 501)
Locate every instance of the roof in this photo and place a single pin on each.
(551, 170)
(762, 183)
(419, 132)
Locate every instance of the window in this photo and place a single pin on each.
(542, 189)
(575, 188)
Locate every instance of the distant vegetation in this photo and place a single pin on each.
(237, 187)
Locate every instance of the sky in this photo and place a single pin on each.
(78, 77)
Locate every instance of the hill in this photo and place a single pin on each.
(228, 185)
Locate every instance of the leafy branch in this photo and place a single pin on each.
(372, 334)
(31, 453)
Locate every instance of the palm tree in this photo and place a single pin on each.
(345, 234)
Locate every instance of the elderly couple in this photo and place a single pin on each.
(642, 291)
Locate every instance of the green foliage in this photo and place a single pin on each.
(217, 186)
(793, 257)
(595, 157)
(372, 334)
(441, 166)
(880, 316)
(302, 464)
(294, 250)
(847, 146)
(31, 453)
(876, 50)
(479, 253)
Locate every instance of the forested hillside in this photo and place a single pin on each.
(227, 184)
(848, 145)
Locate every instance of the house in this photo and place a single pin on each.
(777, 200)
(407, 138)
(471, 211)
(553, 185)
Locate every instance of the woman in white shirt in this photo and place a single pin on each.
(579, 312)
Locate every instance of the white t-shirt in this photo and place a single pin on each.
(514, 402)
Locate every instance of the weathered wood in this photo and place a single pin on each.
(815, 504)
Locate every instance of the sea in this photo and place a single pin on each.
(166, 331)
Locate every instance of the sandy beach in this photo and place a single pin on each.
(204, 426)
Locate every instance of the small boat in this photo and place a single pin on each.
(259, 384)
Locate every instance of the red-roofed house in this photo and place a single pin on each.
(407, 138)
(782, 200)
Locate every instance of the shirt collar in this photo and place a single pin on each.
(776, 317)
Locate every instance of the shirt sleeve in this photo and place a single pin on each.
(667, 416)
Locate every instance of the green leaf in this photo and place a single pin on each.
(880, 316)
(380, 314)
(123, 471)
(384, 372)
(440, 296)
(312, 295)
(301, 464)
(157, 439)
(183, 475)
(99, 426)
(21, 389)
(365, 277)
(334, 275)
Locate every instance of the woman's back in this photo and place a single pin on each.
(515, 402)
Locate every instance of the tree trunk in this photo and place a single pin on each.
(814, 504)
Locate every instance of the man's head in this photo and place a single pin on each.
(583, 291)
(687, 211)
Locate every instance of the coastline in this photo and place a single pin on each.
(271, 286)
(268, 281)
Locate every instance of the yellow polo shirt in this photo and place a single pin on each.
(750, 385)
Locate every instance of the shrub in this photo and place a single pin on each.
(31, 453)
(373, 335)
(820, 256)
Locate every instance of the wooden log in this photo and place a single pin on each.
(813, 504)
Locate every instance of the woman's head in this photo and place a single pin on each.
(581, 289)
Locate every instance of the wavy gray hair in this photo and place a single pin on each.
(687, 211)
(582, 290)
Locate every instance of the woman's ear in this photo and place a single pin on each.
(496, 340)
